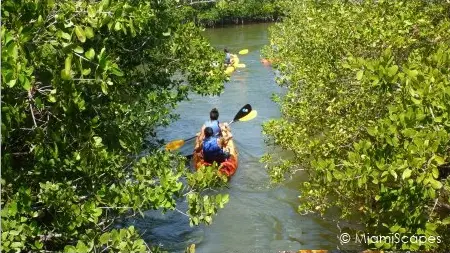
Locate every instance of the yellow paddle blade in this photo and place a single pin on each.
(249, 116)
(243, 51)
(174, 145)
(241, 65)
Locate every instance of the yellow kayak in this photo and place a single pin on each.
(232, 68)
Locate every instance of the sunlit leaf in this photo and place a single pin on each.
(359, 75)
(90, 54)
(80, 34)
(89, 32)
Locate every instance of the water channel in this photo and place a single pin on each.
(259, 217)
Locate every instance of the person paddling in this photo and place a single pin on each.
(214, 123)
(228, 57)
(212, 147)
(217, 128)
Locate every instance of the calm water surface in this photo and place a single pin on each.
(259, 217)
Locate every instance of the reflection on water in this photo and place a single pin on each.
(259, 217)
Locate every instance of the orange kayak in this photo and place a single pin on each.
(228, 167)
(268, 61)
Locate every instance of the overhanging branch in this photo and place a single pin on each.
(190, 2)
(200, 2)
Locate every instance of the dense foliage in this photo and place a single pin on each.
(221, 12)
(367, 113)
(83, 84)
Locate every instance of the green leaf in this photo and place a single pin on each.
(65, 75)
(430, 226)
(379, 244)
(104, 87)
(14, 51)
(115, 236)
(52, 98)
(225, 198)
(102, 58)
(66, 36)
(67, 25)
(446, 221)
(406, 174)
(104, 238)
(122, 144)
(68, 63)
(394, 174)
(98, 141)
(12, 209)
(392, 70)
(12, 83)
(81, 247)
(80, 34)
(435, 184)
(359, 75)
(122, 246)
(89, 32)
(8, 38)
(70, 249)
(23, 79)
(91, 11)
(345, 65)
(372, 131)
(440, 160)
(79, 50)
(39, 103)
(86, 72)
(39, 245)
(105, 3)
(90, 54)
(118, 26)
(14, 232)
(413, 73)
(416, 101)
(15, 245)
(435, 173)
(116, 71)
(329, 176)
(394, 228)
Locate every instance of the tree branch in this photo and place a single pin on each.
(200, 2)
(84, 58)
(30, 98)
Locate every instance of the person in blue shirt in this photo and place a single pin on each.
(214, 123)
(213, 147)
(228, 58)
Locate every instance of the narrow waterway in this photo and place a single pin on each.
(259, 217)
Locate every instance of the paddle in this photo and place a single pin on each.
(243, 51)
(248, 117)
(174, 145)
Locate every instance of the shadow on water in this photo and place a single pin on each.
(259, 217)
